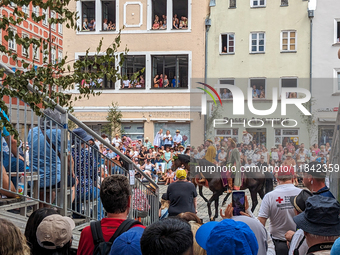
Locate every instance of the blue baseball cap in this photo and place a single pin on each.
(128, 243)
(336, 247)
(82, 134)
(227, 237)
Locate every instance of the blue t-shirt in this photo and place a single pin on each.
(4, 130)
(174, 82)
(41, 160)
(324, 193)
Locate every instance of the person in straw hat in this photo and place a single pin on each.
(246, 137)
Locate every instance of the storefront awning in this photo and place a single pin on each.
(172, 120)
(327, 120)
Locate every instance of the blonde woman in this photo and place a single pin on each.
(12, 241)
(197, 250)
(301, 156)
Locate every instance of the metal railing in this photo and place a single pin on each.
(335, 160)
(59, 168)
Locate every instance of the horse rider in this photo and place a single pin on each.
(210, 155)
(233, 159)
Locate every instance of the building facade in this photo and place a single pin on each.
(156, 44)
(30, 28)
(326, 69)
(259, 46)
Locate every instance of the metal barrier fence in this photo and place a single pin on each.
(59, 168)
(335, 159)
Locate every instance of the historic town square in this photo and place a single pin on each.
(170, 127)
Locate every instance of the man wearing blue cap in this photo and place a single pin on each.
(321, 224)
(227, 237)
(128, 243)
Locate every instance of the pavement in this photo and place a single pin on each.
(202, 206)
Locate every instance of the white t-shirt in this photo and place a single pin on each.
(276, 206)
(126, 83)
(247, 138)
(116, 141)
(297, 237)
(265, 155)
(275, 155)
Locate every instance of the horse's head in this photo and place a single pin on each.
(176, 163)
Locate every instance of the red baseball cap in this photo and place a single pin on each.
(285, 170)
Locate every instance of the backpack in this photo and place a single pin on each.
(100, 246)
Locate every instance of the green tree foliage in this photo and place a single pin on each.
(64, 75)
(114, 117)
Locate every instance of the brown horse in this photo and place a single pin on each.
(257, 182)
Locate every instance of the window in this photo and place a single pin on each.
(325, 134)
(257, 42)
(36, 11)
(171, 67)
(133, 130)
(45, 56)
(338, 31)
(60, 28)
(132, 65)
(105, 82)
(109, 15)
(224, 92)
(284, 136)
(180, 14)
(232, 3)
(224, 134)
(88, 15)
(25, 9)
(36, 52)
(25, 52)
(227, 43)
(45, 20)
(289, 83)
(284, 2)
(258, 3)
(60, 55)
(159, 14)
(338, 81)
(288, 41)
(53, 56)
(12, 45)
(258, 86)
(53, 16)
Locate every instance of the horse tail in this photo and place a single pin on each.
(269, 182)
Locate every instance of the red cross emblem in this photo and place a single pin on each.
(279, 200)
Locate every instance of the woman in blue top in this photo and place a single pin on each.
(168, 157)
(167, 139)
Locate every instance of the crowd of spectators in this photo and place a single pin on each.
(162, 81)
(135, 84)
(161, 23)
(251, 152)
(312, 219)
(89, 26)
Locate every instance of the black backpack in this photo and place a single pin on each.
(100, 246)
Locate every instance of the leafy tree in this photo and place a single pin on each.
(114, 117)
(63, 75)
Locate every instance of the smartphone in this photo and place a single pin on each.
(238, 198)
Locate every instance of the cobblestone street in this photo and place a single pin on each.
(202, 206)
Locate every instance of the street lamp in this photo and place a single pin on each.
(311, 8)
